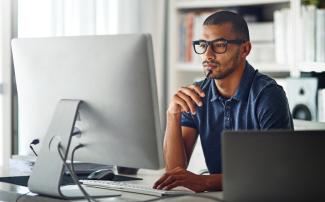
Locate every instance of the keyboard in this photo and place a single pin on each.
(135, 188)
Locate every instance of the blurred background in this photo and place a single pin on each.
(288, 39)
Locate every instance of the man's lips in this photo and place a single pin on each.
(210, 65)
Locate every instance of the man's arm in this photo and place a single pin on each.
(178, 143)
(178, 147)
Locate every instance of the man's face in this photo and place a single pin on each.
(220, 65)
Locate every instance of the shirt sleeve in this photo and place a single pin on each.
(273, 110)
(187, 120)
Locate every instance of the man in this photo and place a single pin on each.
(234, 96)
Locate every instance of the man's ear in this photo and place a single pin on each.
(247, 46)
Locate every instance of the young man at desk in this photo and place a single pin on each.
(234, 96)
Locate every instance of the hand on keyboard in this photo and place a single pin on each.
(135, 188)
(181, 177)
(181, 188)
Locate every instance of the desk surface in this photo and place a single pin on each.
(10, 192)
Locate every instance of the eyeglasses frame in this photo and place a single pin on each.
(209, 43)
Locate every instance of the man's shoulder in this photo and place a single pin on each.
(261, 80)
(262, 83)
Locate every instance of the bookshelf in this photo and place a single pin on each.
(182, 72)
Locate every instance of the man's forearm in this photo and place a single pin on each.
(174, 149)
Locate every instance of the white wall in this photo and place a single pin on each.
(39, 18)
(7, 16)
(146, 16)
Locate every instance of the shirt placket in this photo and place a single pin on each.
(227, 119)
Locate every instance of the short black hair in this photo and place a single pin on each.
(239, 25)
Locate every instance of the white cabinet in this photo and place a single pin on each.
(184, 68)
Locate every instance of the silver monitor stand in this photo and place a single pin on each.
(46, 179)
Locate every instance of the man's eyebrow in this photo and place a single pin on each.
(200, 39)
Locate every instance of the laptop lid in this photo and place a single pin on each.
(273, 165)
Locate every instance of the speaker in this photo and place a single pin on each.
(321, 105)
(302, 98)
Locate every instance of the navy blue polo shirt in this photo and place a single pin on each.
(259, 103)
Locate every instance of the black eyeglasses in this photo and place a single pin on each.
(218, 45)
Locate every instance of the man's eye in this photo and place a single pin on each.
(221, 45)
(203, 45)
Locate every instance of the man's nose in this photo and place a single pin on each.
(209, 54)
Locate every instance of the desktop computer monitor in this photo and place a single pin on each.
(103, 86)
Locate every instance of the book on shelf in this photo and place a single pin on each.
(310, 35)
(284, 53)
(189, 36)
(181, 37)
(308, 30)
(289, 37)
(197, 31)
(261, 31)
(262, 39)
(313, 30)
(320, 35)
(190, 28)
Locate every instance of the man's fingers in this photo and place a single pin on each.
(193, 94)
(188, 101)
(175, 184)
(170, 180)
(167, 175)
(182, 103)
(163, 178)
(198, 90)
(160, 180)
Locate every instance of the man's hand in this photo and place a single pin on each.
(186, 99)
(181, 177)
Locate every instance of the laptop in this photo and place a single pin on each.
(273, 165)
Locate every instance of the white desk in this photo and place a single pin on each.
(9, 192)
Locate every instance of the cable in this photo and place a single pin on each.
(34, 142)
(73, 174)
(20, 196)
(74, 171)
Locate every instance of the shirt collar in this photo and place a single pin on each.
(245, 82)
(244, 86)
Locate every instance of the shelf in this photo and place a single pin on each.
(262, 67)
(194, 4)
(312, 66)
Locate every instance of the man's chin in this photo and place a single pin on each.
(222, 75)
(219, 76)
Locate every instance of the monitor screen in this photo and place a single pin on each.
(113, 76)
